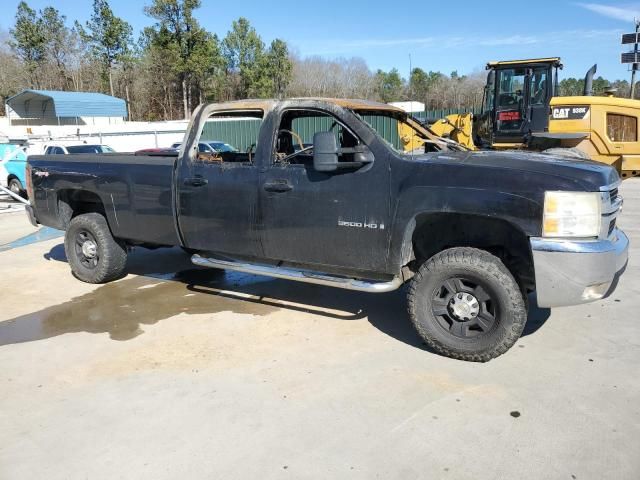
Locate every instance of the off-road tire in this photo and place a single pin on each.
(111, 255)
(489, 271)
(573, 153)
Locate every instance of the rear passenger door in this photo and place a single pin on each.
(217, 193)
(337, 221)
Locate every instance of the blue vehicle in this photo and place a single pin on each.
(15, 168)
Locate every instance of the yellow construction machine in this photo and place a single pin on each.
(521, 111)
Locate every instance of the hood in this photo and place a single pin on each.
(584, 174)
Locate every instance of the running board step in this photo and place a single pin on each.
(299, 275)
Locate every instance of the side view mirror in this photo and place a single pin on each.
(325, 152)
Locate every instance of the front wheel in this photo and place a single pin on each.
(465, 304)
(93, 254)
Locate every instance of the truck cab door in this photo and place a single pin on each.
(540, 93)
(337, 221)
(483, 123)
(217, 192)
(511, 112)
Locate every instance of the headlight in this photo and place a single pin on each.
(572, 214)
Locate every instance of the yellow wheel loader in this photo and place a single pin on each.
(521, 110)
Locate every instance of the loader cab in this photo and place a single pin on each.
(516, 101)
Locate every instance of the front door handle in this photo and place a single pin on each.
(197, 181)
(279, 186)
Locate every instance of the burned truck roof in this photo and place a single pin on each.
(269, 104)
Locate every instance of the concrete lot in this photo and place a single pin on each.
(202, 375)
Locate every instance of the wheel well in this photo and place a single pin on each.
(13, 177)
(434, 233)
(72, 203)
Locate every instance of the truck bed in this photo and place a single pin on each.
(135, 191)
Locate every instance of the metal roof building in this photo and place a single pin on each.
(50, 107)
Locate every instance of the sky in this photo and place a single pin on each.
(439, 36)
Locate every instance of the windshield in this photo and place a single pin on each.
(404, 134)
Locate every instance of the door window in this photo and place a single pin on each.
(237, 130)
(539, 89)
(294, 139)
(490, 92)
(511, 83)
(511, 88)
(622, 128)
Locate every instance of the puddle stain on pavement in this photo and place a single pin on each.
(120, 308)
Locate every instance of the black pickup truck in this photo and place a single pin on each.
(356, 195)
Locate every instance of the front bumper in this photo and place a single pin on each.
(571, 272)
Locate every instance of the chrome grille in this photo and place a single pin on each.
(611, 205)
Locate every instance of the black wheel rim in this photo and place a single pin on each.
(465, 307)
(86, 248)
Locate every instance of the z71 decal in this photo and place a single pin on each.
(569, 113)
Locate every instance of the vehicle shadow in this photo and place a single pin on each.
(537, 317)
(166, 284)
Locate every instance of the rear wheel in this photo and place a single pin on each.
(93, 254)
(16, 187)
(465, 304)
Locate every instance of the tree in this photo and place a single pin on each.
(108, 36)
(279, 67)
(29, 41)
(342, 78)
(244, 51)
(11, 72)
(570, 87)
(178, 33)
(390, 86)
(205, 64)
(59, 42)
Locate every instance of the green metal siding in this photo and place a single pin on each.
(307, 126)
(239, 133)
(386, 127)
